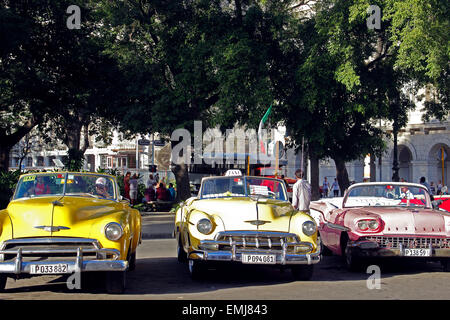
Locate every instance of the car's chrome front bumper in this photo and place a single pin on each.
(366, 248)
(210, 250)
(281, 259)
(77, 263)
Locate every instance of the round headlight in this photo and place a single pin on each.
(204, 226)
(373, 224)
(309, 228)
(113, 231)
(363, 225)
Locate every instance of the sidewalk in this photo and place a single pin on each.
(157, 225)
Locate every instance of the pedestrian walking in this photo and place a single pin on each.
(423, 182)
(432, 188)
(439, 187)
(126, 184)
(133, 189)
(335, 187)
(325, 187)
(301, 193)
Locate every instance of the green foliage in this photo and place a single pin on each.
(8, 182)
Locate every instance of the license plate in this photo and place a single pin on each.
(49, 268)
(417, 252)
(259, 258)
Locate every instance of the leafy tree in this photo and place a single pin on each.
(24, 80)
(192, 60)
(347, 77)
(54, 76)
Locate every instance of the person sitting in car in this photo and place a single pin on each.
(41, 187)
(100, 188)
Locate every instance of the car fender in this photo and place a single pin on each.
(6, 226)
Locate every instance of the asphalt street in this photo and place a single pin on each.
(158, 275)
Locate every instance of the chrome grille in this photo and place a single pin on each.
(411, 242)
(255, 241)
(47, 249)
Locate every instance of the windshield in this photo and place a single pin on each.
(387, 195)
(242, 187)
(58, 184)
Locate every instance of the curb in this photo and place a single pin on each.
(147, 236)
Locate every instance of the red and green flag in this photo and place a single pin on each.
(262, 123)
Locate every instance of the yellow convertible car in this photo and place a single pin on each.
(246, 220)
(63, 223)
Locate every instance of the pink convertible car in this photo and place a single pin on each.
(375, 220)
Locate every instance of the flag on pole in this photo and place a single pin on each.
(261, 124)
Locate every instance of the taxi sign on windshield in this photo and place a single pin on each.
(233, 172)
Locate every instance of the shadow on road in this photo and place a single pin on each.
(154, 276)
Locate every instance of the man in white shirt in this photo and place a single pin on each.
(301, 193)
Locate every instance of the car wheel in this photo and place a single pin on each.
(181, 255)
(132, 262)
(323, 249)
(196, 269)
(3, 279)
(446, 265)
(302, 272)
(352, 261)
(115, 282)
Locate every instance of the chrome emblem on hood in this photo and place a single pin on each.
(52, 229)
(257, 222)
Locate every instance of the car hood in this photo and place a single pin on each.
(405, 221)
(69, 217)
(241, 214)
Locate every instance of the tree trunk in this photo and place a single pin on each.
(180, 170)
(182, 179)
(341, 175)
(373, 168)
(7, 142)
(315, 194)
(72, 140)
(4, 157)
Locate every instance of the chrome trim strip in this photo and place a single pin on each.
(52, 228)
(336, 226)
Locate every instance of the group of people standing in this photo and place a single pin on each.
(158, 191)
(434, 190)
(326, 188)
(155, 189)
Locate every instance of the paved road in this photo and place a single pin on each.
(157, 225)
(159, 276)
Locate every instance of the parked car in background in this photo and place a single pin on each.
(66, 222)
(248, 220)
(383, 219)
